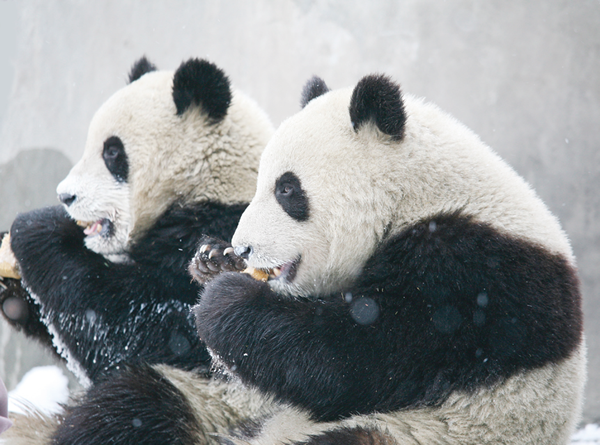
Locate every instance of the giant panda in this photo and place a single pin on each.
(419, 291)
(169, 158)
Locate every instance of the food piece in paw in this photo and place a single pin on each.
(8, 262)
(257, 274)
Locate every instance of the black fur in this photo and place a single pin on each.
(378, 98)
(108, 314)
(115, 158)
(350, 436)
(137, 406)
(291, 197)
(315, 87)
(140, 68)
(455, 305)
(204, 84)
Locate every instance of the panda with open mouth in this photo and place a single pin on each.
(169, 158)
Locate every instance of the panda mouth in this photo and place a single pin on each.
(285, 272)
(101, 227)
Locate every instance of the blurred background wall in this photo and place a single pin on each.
(523, 75)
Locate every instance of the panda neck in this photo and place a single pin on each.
(173, 238)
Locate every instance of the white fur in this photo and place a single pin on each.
(32, 428)
(219, 405)
(362, 186)
(171, 159)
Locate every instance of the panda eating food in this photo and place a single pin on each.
(419, 290)
(169, 158)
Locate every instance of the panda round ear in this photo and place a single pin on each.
(139, 68)
(202, 83)
(376, 97)
(315, 87)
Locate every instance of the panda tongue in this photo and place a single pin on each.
(94, 228)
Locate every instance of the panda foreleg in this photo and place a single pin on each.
(102, 313)
(300, 351)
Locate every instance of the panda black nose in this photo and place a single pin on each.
(243, 251)
(66, 198)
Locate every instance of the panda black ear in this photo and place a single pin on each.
(139, 68)
(202, 83)
(315, 87)
(378, 98)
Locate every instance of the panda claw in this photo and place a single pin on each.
(198, 270)
(213, 258)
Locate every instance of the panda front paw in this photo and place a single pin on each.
(213, 258)
(229, 300)
(229, 291)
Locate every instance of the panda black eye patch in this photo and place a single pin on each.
(291, 197)
(115, 158)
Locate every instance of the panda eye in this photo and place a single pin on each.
(111, 152)
(286, 190)
(115, 158)
(291, 197)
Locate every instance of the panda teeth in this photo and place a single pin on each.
(93, 228)
(275, 272)
(101, 227)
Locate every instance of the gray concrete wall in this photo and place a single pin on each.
(523, 75)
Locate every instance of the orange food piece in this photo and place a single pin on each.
(8, 262)
(257, 274)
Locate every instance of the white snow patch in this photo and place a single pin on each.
(42, 388)
(72, 365)
(589, 435)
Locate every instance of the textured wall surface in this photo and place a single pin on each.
(523, 75)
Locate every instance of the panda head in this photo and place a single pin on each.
(356, 166)
(166, 137)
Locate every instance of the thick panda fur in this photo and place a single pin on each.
(421, 292)
(170, 157)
